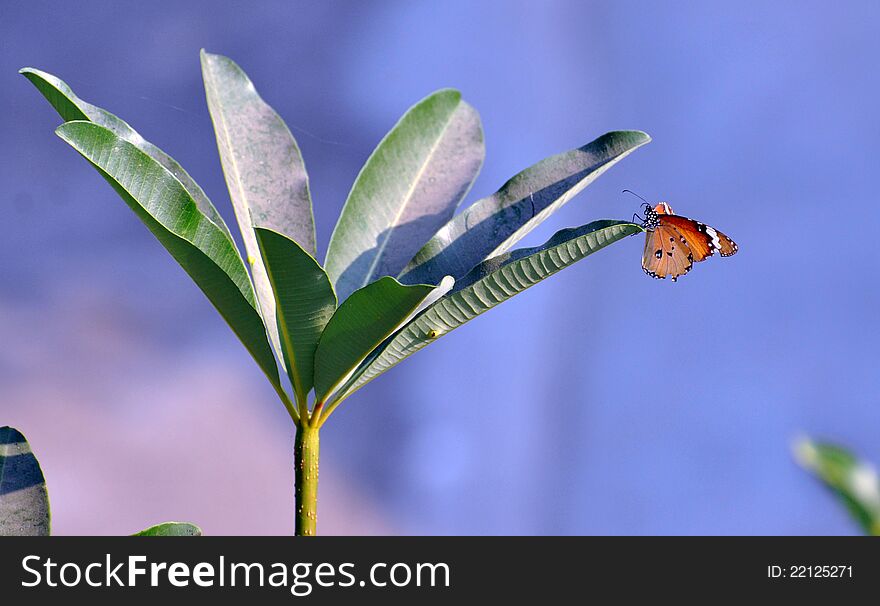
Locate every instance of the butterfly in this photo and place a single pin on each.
(674, 243)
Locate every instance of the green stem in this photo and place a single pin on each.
(305, 456)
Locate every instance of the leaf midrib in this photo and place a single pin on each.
(408, 197)
(226, 139)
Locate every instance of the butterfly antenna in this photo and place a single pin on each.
(629, 191)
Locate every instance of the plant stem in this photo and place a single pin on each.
(305, 457)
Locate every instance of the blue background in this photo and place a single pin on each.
(600, 402)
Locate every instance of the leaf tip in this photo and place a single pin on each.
(71, 131)
(213, 59)
(805, 451)
(32, 73)
(171, 529)
(62, 130)
(638, 134)
(452, 93)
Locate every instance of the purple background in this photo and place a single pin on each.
(600, 402)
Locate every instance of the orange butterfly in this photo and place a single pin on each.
(673, 243)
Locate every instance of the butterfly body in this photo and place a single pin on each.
(674, 243)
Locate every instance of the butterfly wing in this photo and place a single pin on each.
(666, 253)
(702, 239)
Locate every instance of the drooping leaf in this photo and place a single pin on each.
(854, 482)
(490, 283)
(24, 502)
(170, 529)
(492, 225)
(408, 188)
(360, 324)
(264, 170)
(70, 107)
(304, 301)
(196, 243)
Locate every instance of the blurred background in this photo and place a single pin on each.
(600, 402)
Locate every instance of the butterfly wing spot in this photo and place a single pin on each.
(677, 259)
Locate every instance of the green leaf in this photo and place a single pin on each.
(170, 529)
(361, 323)
(70, 107)
(167, 209)
(264, 170)
(490, 283)
(854, 482)
(304, 299)
(408, 188)
(24, 502)
(492, 225)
